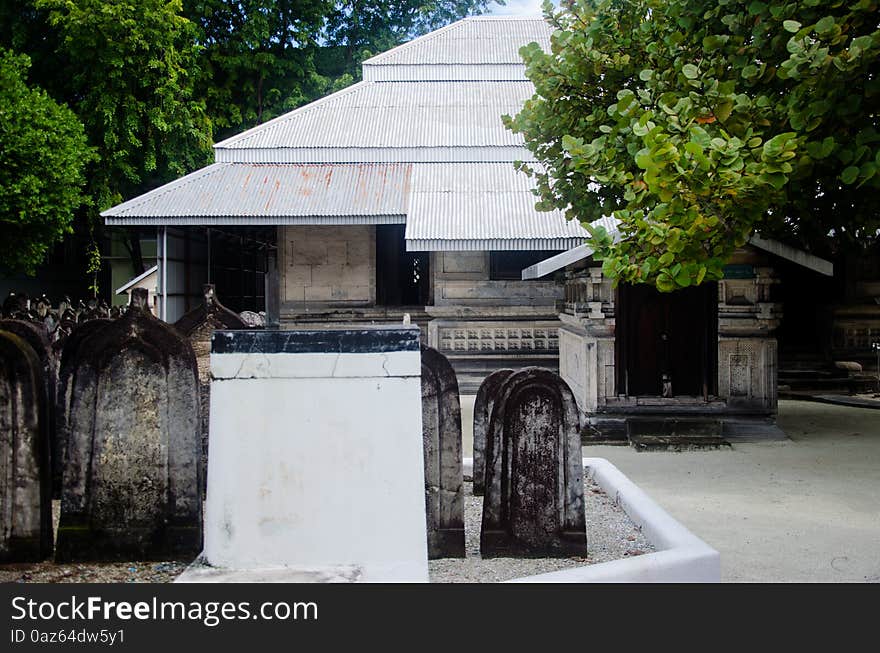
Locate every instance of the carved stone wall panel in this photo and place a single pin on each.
(747, 372)
(517, 337)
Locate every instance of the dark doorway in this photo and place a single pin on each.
(667, 342)
(402, 278)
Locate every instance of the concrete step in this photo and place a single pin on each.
(677, 442)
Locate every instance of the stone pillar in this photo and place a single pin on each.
(534, 501)
(586, 340)
(25, 481)
(747, 351)
(131, 487)
(441, 436)
(273, 289)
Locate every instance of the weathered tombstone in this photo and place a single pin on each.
(67, 354)
(131, 486)
(35, 335)
(534, 501)
(441, 434)
(25, 492)
(15, 305)
(197, 327)
(483, 403)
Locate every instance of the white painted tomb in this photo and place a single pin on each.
(315, 465)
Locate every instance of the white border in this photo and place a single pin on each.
(680, 557)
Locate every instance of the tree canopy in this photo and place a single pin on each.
(260, 58)
(43, 154)
(130, 76)
(697, 122)
(154, 81)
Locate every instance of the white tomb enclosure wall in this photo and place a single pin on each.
(316, 453)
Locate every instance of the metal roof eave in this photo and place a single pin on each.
(802, 258)
(545, 267)
(253, 220)
(488, 244)
(131, 282)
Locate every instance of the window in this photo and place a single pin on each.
(508, 265)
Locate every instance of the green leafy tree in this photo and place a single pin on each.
(261, 58)
(130, 76)
(257, 56)
(696, 122)
(362, 28)
(43, 155)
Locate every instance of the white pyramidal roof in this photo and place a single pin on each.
(420, 140)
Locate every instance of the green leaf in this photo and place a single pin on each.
(825, 25)
(690, 71)
(849, 175)
(791, 26)
(664, 282)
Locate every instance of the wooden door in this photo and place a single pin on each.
(667, 342)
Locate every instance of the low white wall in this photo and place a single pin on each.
(680, 556)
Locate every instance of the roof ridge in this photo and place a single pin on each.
(248, 133)
(419, 39)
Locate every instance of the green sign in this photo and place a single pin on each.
(739, 271)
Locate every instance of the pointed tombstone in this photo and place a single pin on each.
(534, 501)
(67, 366)
(35, 335)
(483, 403)
(131, 477)
(197, 326)
(25, 483)
(441, 436)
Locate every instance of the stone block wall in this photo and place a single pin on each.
(462, 278)
(332, 265)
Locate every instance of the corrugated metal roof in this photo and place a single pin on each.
(484, 204)
(464, 193)
(393, 115)
(475, 41)
(445, 72)
(279, 190)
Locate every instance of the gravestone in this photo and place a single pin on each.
(483, 403)
(534, 501)
(316, 456)
(131, 486)
(25, 483)
(35, 335)
(68, 362)
(197, 327)
(441, 434)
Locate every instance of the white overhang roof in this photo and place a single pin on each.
(584, 251)
(487, 206)
(136, 280)
(242, 193)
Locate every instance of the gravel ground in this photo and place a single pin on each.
(133, 571)
(610, 536)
